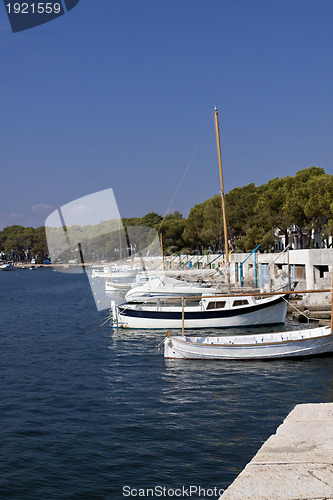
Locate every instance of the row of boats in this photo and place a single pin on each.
(162, 302)
(9, 266)
(189, 308)
(156, 301)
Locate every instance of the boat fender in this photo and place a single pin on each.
(168, 333)
(167, 341)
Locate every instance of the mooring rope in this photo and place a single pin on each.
(94, 322)
(300, 312)
(168, 333)
(104, 322)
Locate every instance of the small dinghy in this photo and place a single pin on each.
(289, 344)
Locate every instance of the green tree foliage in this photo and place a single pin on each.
(304, 202)
(244, 223)
(193, 228)
(151, 220)
(271, 213)
(212, 227)
(22, 243)
(254, 214)
(172, 230)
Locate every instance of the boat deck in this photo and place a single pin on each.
(288, 336)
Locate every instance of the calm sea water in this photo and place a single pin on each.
(86, 412)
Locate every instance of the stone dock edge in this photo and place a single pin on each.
(294, 463)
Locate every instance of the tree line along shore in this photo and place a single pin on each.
(255, 215)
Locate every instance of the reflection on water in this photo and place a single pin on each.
(211, 416)
(85, 412)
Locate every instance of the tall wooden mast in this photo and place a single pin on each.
(120, 249)
(222, 188)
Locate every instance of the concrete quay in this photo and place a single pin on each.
(310, 313)
(294, 463)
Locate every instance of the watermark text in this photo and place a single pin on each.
(167, 492)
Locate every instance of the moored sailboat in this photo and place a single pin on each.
(220, 311)
(206, 312)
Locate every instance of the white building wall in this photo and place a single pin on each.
(312, 268)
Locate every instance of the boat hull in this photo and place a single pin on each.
(7, 267)
(162, 287)
(111, 286)
(271, 311)
(155, 295)
(302, 343)
(114, 274)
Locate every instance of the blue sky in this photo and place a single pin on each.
(118, 94)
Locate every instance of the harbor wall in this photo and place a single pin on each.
(308, 268)
(294, 463)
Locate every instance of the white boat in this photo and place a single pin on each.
(288, 344)
(144, 278)
(210, 312)
(124, 284)
(161, 287)
(111, 286)
(115, 272)
(7, 267)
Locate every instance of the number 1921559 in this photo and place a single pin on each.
(33, 8)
